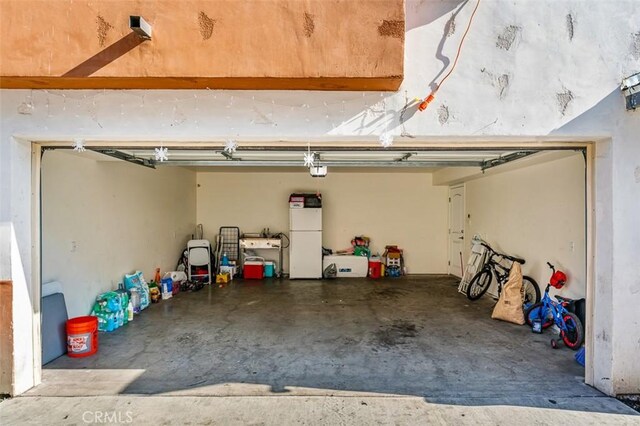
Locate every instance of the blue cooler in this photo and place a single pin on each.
(269, 269)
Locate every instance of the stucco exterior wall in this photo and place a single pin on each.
(257, 44)
(529, 71)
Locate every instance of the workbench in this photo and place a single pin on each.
(261, 243)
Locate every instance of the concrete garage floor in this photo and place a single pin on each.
(414, 338)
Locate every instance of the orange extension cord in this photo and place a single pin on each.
(425, 103)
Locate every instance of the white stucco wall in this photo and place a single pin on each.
(11, 268)
(548, 81)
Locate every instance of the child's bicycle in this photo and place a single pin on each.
(547, 312)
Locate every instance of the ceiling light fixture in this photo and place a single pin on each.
(318, 171)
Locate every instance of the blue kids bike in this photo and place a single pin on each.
(547, 312)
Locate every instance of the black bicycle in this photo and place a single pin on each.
(482, 280)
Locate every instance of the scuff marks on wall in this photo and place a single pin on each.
(205, 24)
(603, 337)
(309, 24)
(503, 85)
(93, 113)
(103, 30)
(393, 29)
(27, 106)
(262, 118)
(483, 128)
(635, 45)
(508, 37)
(408, 110)
(563, 99)
(179, 117)
(443, 114)
(637, 174)
(500, 82)
(450, 27)
(570, 26)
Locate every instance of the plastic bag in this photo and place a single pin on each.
(109, 308)
(137, 281)
(131, 280)
(145, 298)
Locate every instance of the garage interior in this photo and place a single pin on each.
(414, 335)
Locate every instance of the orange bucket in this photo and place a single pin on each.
(82, 336)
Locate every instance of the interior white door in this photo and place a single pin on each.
(456, 230)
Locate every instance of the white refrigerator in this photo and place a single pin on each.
(305, 248)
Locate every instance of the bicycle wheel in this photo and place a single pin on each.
(479, 284)
(534, 312)
(531, 290)
(574, 336)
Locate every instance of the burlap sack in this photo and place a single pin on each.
(509, 306)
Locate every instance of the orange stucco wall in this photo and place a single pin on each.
(6, 336)
(262, 44)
